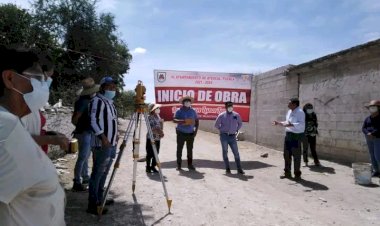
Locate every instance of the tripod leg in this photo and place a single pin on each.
(136, 148)
(151, 138)
(117, 163)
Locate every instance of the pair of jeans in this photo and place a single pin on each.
(81, 166)
(312, 142)
(230, 140)
(181, 139)
(103, 158)
(374, 152)
(292, 148)
(150, 158)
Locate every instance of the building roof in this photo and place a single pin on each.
(334, 56)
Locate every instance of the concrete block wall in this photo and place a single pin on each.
(339, 90)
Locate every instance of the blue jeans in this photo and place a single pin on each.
(374, 152)
(230, 140)
(81, 166)
(103, 159)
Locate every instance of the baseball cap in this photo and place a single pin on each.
(107, 80)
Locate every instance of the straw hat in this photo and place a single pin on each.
(182, 99)
(153, 107)
(373, 103)
(88, 87)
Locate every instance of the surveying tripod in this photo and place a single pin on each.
(136, 122)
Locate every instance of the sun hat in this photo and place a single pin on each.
(88, 87)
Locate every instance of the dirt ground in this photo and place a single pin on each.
(207, 196)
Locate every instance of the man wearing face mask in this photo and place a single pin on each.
(82, 122)
(35, 121)
(228, 123)
(294, 128)
(311, 131)
(30, 192)
(187, 128)
(371, 130)
(103, 117)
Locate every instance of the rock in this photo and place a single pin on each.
(265, 155)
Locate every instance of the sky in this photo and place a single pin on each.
(241, 36)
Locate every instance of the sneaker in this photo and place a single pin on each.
(191, 167)
(154, 170)
(79, 188)
(240, 171)
(286, 175)
(228, 171)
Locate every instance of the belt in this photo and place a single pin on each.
(229, 134)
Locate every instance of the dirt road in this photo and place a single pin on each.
(325, 196)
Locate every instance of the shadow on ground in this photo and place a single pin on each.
(202, 163)
(322, 169)
(312, 185)
(120, 213)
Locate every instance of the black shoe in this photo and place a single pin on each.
(191, 167)
(148, 169)
(375, 174)
(79, 187)
(286, 175)
(94, 210)
(240, 171)
(228, 171)
(297, 177)
(154, 170)
(109, 202)
(317, 164)
(85, 181)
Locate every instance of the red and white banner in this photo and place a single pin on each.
(210, 91)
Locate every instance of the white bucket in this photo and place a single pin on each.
(362, 173)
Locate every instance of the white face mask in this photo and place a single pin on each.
(157, 111)
(230, 109)
(309, 111)
(39, 96)
(187, 104)
(373, 109)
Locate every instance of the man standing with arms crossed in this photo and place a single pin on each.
(187, 127)
(294, 128)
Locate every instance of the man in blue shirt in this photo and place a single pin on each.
(187, 127)
(228, 123)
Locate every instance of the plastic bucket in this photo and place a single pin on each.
(362, 173)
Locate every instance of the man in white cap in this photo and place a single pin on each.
(81, 120)
(187, 127)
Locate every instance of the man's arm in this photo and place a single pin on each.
(96, 113)
(239, 121)
(59, 139)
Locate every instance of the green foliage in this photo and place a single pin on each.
(82, 42)
(124, 103)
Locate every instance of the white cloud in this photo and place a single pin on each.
(139, 50)
(107, 5)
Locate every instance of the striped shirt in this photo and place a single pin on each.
(103, 116)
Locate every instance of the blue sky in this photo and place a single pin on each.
(249, 36)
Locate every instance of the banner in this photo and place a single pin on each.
(210, 91)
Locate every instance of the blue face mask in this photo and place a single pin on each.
(109, 94)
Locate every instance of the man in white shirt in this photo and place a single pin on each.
(294, 128)
(30, 193)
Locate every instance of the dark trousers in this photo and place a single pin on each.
(312, 142)
(150, 158)
(292, 148)
(181, 139)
